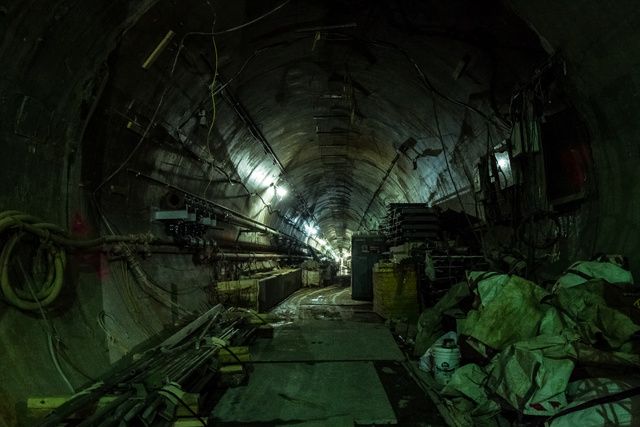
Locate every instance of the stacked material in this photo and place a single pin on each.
(406, 222)
(395, 292)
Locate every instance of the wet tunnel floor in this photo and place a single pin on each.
(331, 362)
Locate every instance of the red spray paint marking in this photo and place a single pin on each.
(96, 261)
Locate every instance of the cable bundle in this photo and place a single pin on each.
(53, 244)
(14, 225)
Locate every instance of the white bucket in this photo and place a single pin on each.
(446, 359)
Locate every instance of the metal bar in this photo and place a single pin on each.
(191, 327)
(158, 50)
(225, 255)
(249, 222)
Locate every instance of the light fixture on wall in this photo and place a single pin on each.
(279, 192)
(310, 230)
(503, 164)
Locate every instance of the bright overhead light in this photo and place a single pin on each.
(281, 192)
(310, 230)
(503, 163)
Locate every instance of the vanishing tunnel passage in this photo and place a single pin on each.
(319, 212)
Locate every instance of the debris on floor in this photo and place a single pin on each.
(334, 363)
(531, 355)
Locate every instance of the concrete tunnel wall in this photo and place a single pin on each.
(53, 54)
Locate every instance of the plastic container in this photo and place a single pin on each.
(446, 359)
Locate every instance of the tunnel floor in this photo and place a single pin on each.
(332, 361)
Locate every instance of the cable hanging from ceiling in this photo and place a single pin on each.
(214, 90)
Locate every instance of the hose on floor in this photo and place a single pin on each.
(49, 261)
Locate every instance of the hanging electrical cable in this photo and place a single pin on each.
(50, 330)
(212, 89)
(453, 181)
(496, 121)
(246, 24)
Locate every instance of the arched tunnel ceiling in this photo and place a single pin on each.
(333, 90)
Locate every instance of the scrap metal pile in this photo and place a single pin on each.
(557, 356)
(155, 386)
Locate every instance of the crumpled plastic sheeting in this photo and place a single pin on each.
(469, 381)
(532, 375)
(540, 336)
(593, 317)
(554, 323)
(583, 271)
(487, 284)
(429, 329)
(511, 311)
(622, 412)
(588, 355)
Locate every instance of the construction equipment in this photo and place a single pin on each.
(406, 222)
(366, 250)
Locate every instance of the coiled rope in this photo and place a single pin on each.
(53, 245)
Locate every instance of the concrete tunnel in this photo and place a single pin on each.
(230, 152)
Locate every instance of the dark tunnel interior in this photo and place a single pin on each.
(355, 174)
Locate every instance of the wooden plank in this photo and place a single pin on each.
(188, 422)
(234, 350)
(190, 399)
(39, 406)
(231, 369)
(236, 355)
(52, 402)
(232, 375)
(46, 402)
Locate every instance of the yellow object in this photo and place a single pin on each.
(158, 50)
(191, 422)
(395, 291)
(38, 407)
(135, 127)
(235, 355)
(46, 403)
(231, 369)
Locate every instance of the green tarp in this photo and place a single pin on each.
(510, 312)
(533, 375)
